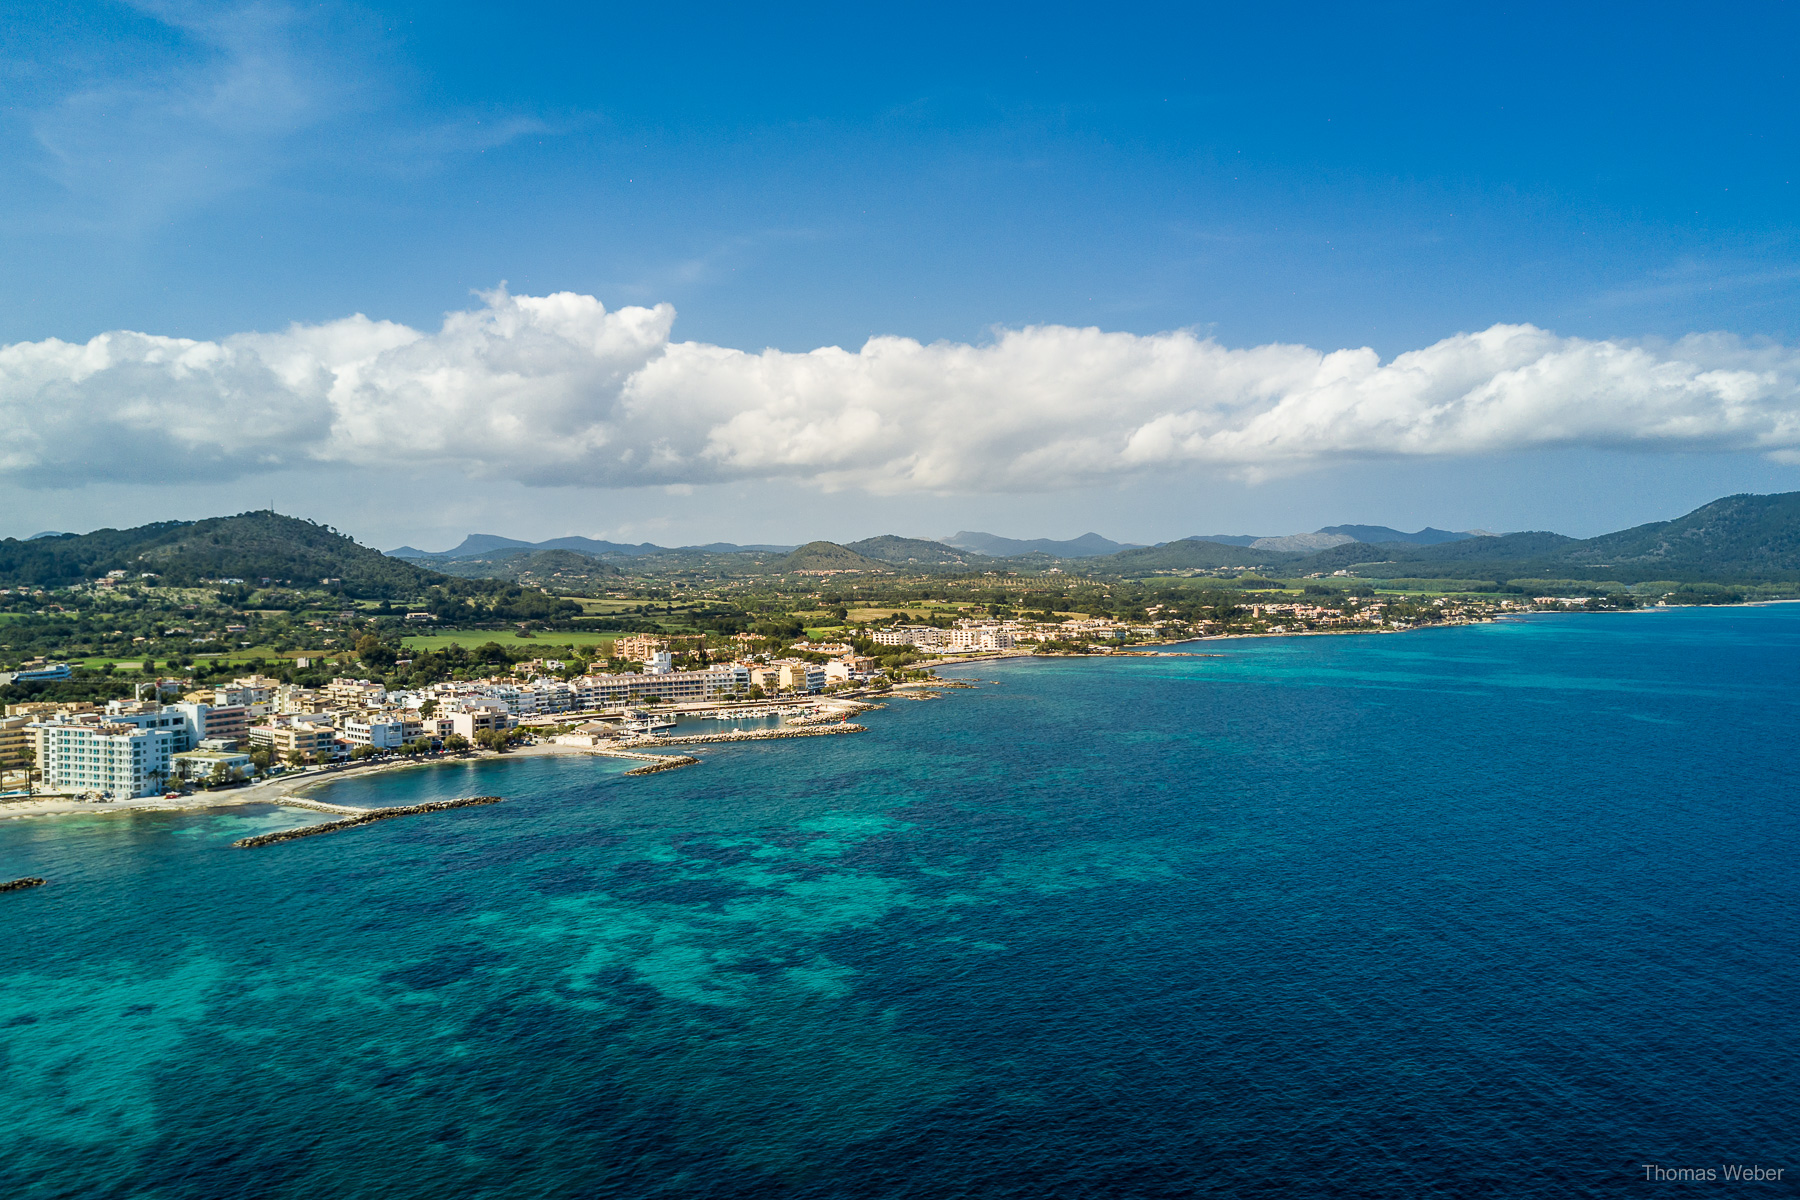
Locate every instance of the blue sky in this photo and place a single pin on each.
(1324, 177)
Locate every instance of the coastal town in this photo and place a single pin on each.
(181, 734)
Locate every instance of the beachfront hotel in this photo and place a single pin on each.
(119, 755)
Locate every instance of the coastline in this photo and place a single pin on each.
(284, 789)
(294, 790)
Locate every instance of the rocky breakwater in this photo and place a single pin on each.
(368, 817)
(663, 763)
(19, 885)
(760, 735)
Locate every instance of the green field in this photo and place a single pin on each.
(425, 643)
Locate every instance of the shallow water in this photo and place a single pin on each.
(1505, 910)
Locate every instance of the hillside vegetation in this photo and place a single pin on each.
(250, 546)
(824, 556)
(1742, 538)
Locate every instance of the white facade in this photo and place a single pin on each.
(198, 766)
(605, 691)
(382, 735)
(117, 761)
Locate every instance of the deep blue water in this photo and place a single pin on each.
(1496, 911)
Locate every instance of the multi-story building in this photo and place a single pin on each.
(800, 676)
(38, 673)
(254, 692)
(354, 693)
(15, 741)
(213, 721)
(638, 647)
(980, 639)
(210, 766)
(292, 698)
(95, 755)
(476, 719)
(314, 738)
(677, 687)
(389, 734)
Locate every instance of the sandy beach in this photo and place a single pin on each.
(282, 789)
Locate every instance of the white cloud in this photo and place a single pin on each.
(557, 390)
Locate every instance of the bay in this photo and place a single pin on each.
(1497, 910)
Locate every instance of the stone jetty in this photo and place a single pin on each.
(758, 735)
(663, 763)
(364, 817)
(344, 810)
(19, 885)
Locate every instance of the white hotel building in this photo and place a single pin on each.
(662, 682)
(118, 757)
(119, 754)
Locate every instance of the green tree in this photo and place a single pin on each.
(374, 652)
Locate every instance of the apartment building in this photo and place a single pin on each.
(210, 766)
(292, 698)
(315, 738)
(382, 734)
(354, 693)
(474, 720)
(677, 687)
(93, 755)
(15, 741)
(800, 676)
(638, 647)
(213, 721)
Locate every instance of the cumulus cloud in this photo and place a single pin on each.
(557, 390)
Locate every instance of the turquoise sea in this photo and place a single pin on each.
(1507, 910)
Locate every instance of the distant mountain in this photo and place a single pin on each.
(560, 571)
(48, 533)
(1188, 554)
(824, 556)
(1226, 539)
(733, 548)
(1088, 545)
(1377, 534)
(912, 551)
(1510, 556)
(251, 546)
(1744, 537)
(1301, 543)
(481, 545)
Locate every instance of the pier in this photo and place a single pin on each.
(365, 816)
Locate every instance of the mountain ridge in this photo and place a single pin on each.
(1088, 545)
